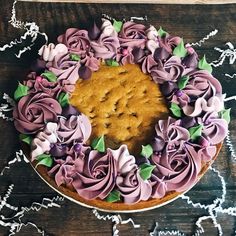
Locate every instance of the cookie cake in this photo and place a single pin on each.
(120, 117)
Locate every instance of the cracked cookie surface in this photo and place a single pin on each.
(122, 103)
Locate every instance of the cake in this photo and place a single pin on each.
(120, 117)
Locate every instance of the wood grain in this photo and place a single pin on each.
(191, 22)
(141, 1)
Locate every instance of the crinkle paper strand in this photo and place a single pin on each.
(15, 224)
(32, 31)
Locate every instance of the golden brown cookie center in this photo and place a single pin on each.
(122, 103)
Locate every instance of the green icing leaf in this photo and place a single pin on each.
(117, 25)
(195, 132)
(182, 82)
(176, 110)
(21, 91)
(147, 151)
(74, 57)
(99, 144)
(146, 171)
(113, 196)
(63, 99)
(203, 65)
(161, 32)
(111, 62)
(50, 76)
(180, 50)
(45, 160)
(26, 138)
(225, 114)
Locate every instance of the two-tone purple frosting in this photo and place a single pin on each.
(59, 133)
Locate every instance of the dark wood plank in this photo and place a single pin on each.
(191, 22)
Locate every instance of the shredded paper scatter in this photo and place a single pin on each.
(15, 222)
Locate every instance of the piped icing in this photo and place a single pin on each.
(43, 140)
(48, 52)
(33, 111)
(75, 128)
(64, 67)
(179, 167)
(181, 144)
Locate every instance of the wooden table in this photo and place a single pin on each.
(192, 22)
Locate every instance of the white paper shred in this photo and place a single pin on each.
(19, 157)
(200, 42)
(140, 18)
(157, 232)
(229, 53)
(6, 108)
(115, 219)
(230, 146)
(230, 76)
(212, 211)
(15, 224)
(31, 30)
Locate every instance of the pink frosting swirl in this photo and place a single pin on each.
(132, 35)
(158, 185)
(96, 176)
(75, 128)
(90, 61)
(179, 168)
(64, 171)
(125, 56)
(133, 188)
(64, 68)
(125, 161)
(147, 64)
(38, 84)
(169, 42)
(76, 40)
(34, 111)
(171, 70)
(201, 84)
(43, 140)
(214, 128)
(205, 150)
(180, 98)
(169, 132)
(106, 46)
(207, 153)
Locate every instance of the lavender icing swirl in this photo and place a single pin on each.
(33, 111)
(75, 128)
(125, 56)
(179, 167)
(201, 84)
(76, 40)
(125, 161)
(214, 128)
(169, 42)
(64, 171)
(171, 133)
(43, 140)
(105, 47)
(64, 68)
(147, 64)
(171, 70)
(132, 35)
(37, 84)
(133, 188)
(96, 176)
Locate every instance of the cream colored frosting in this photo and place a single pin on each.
(48, 52)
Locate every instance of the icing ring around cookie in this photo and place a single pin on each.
(101, 170)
